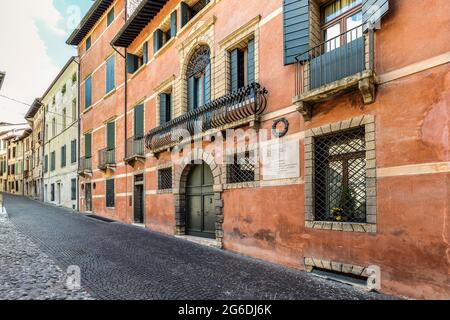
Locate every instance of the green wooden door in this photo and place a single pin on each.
(200, 209)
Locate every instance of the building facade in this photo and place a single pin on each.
(330, 117)
(11, 156)
(3, 166)
(61, 138)
(35, 118)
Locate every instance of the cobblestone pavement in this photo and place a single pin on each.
(26, 273)
(119, 261)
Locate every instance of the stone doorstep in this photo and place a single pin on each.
(202, 241)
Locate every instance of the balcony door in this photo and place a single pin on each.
(201, 216)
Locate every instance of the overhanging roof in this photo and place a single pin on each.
(2, 77)
(33, 109)
(90, 19)
(140, 18)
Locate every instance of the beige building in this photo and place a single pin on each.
(60, 103)
(11, 156)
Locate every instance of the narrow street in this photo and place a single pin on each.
(119, 261)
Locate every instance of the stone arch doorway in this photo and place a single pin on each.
(200, 210)
(199, 181)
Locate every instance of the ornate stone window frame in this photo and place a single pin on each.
(233, 40)
(164, 87)
(368, 122)
(202, 33)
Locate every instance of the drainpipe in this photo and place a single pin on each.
(23, 166)
(124, 56)
(79, 131)
(43, 156)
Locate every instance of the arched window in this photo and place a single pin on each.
(199, 78)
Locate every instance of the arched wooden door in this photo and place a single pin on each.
(200, 209)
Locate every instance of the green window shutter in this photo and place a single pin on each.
(132, 63)
(191, 94)
(207, 84)
(139, 121)
(73, 151)
(63, 156)
(251, 61)
(145, 53)
(373, 11)
(88, 92)
(88, 43)
(110, 77)
(185, 14)
(111, 135)
(295, 29)
(173, 24)
(237, 69)
(46, 163)
(88, 145)
(53, 161)
(165, 108)
(110, 17)
(157, 40)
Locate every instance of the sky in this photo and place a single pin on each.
(33, 48)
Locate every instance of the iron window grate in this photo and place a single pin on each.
(165, 179)
(241, 168)
(340, 177)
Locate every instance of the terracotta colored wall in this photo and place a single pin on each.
(412, 127)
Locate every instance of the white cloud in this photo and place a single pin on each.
(23, 54)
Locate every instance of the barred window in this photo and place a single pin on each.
(241, 168)
(340, 177)
(165, 179)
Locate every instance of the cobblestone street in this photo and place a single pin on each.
(119, 261)
(27, 273)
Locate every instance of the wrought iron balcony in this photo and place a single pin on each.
(85, 166)
(106, 159)
(238, 108)
(336, 66)
(135, 149)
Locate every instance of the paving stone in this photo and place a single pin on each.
(119, 261)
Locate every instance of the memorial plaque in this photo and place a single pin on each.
(280, 159)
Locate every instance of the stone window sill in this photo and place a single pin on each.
(242, 185)
(164, 47)
(342, 226)
(167, 191)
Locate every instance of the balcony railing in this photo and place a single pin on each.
(85, 165)
(135, 148)
(243, 105)
(106, 158)
(346, 55)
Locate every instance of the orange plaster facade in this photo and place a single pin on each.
(412, 115)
